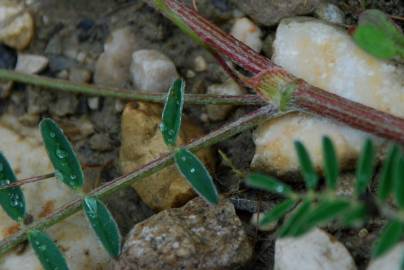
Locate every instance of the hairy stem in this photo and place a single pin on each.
(305, 97)
(91, 90)
(243, 123)
(28, 181)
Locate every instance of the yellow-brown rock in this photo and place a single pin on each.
(142, 142)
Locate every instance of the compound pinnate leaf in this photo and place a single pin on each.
(276, 213)
(364, 169)
(294, 223)
(11, 199)
(47, 252)
(104, 225)
(399, 181)
(306, 166)
(197, 175)
(388, 173)
(390, 236)
(268, 183)
(331, 167)
(61, 154)
(171, 119)
(379, 36)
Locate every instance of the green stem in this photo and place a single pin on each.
(92, 90)
(241, 124)
(28, 181)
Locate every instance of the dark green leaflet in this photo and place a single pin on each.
(390, 236)
(268, 183)
(399, 181)
(104, 225)
(292, 225)
(306, 166)
(47, 252)
(197, 175)
(171, 118)
(331, 167)
(276, 213)
(11, 199)
(323, 212)
(388, 173)
(364, 169)
(61, 154)
(377, 35)
(354, 216)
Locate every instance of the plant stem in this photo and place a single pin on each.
(305, 97)
(241, 124)
(91, 90)
(28, 181)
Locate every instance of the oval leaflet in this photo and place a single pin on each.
(61, 154)
(104, 225)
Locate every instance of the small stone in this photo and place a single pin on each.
(80, 75)
(152, 71)
(8, 57)
(93, 103)
(363, 233)
(31, 63)
(196, 236)
(393, 260)
(100, 142)
(200, 64)
(315, 250)
(346, 184)
(326, 57)
(330, 13)
(271, 12)
(142, 142)
(65, 104)
(190, 74)
(63, 74)
(248, 33)
(119, 105)
(220, 112)
(17, 25)
(112, 67)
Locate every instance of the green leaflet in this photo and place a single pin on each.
(364, 169)
(306, 166)
(399, 181)
(104, 225)
(276, 213)
(197, 175)
(47, 252)
(323, 212)
(331, 167)
(390, 236)
(268, 183)
(293, 224)
(171, 118)
(11, 199)
(388, 173)
(379, 36)
(61, 154)
(354, 216)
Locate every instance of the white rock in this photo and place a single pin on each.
(28, 157)
(390, 261)
(93, 103)
(30, 63)
(230, 88)
(112, 67)
(326, 57)
(330, 13)
(152, 71)
(316, 250)
(247, 32)
(16, 24)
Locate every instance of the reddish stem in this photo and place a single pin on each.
(306, 97)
